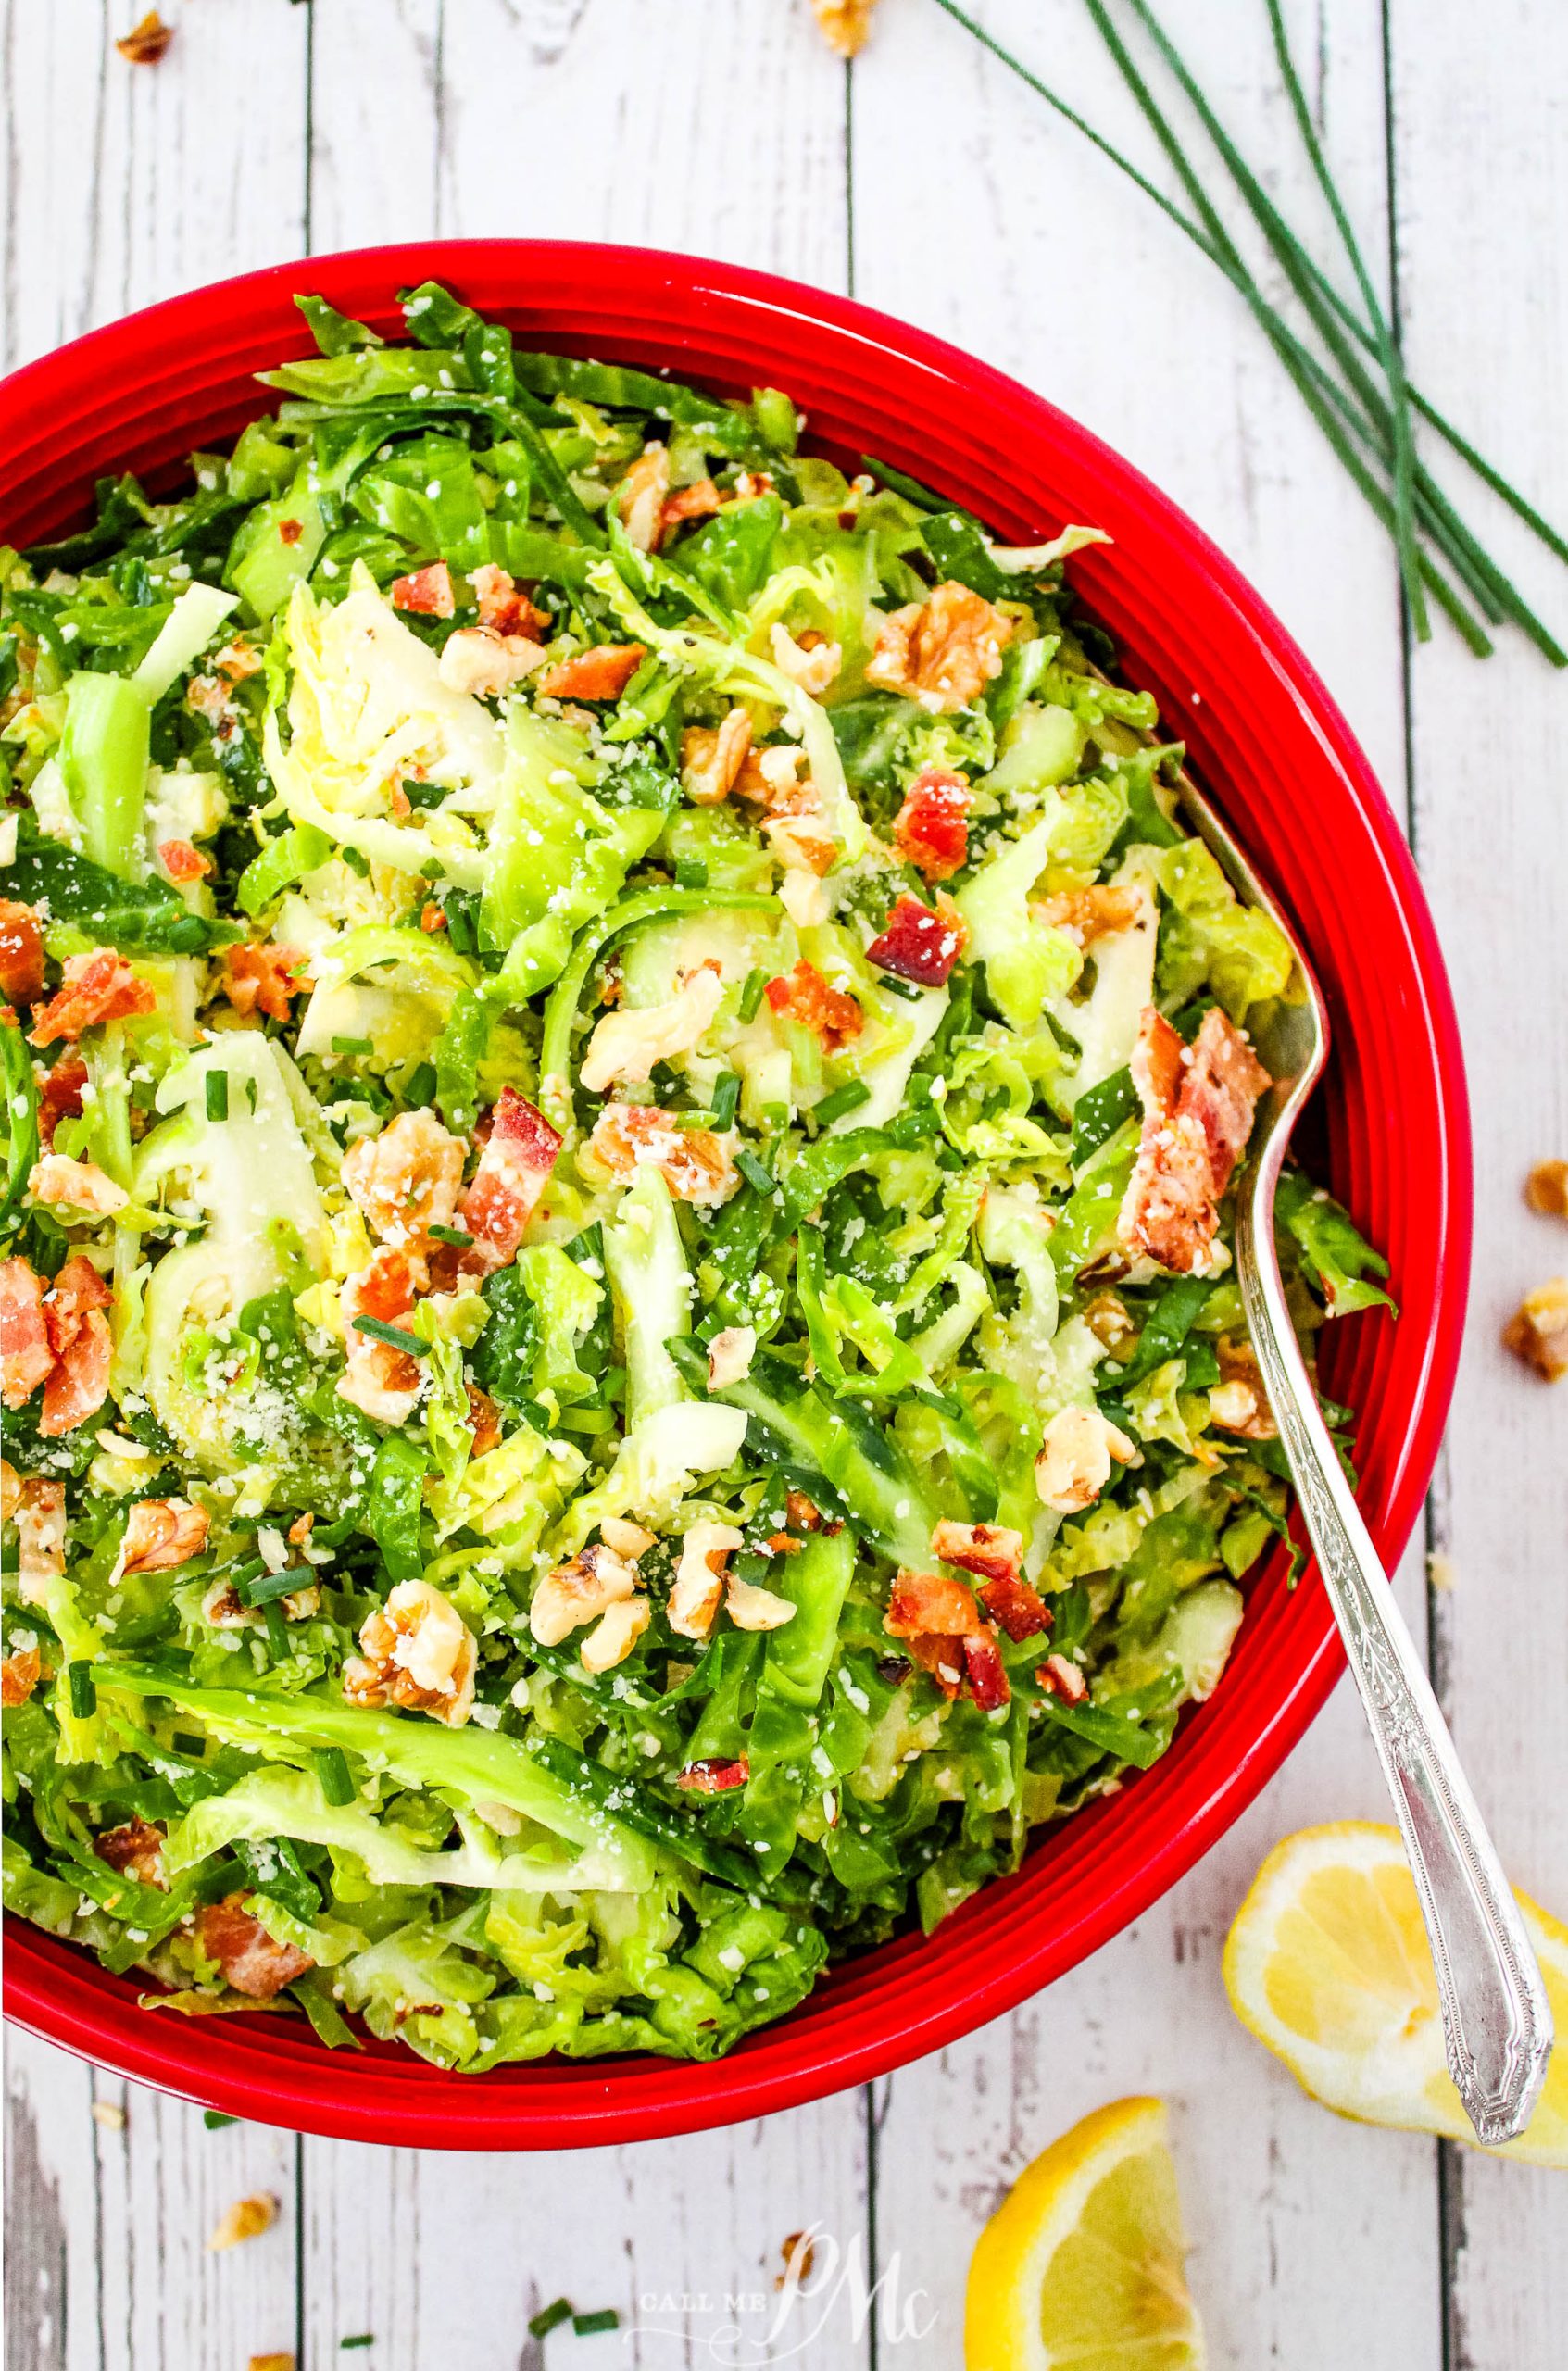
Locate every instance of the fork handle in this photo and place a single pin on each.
(1497, 2022)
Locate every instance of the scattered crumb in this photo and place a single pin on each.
(1545, 1189)
(1440, 1572)
(245, 2220)
(1538, 1332)
(845, 24)
(271, 2363)
(799, 2256)
(112, 2118)
(146, 42)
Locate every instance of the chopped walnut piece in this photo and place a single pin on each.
(730, 1355)
(942, 652)
(640, 496)
(750, 1608)
(628, 1539)
(1238, 1404)
(697, 1165)
(246, 2219)
(59, 1183)
(698, 501)
(1538, 1332)
(419, 1653)
(1073, 1466)
(249, 1958)
(700, 1577)
(578, 1593)
(627, 1043)
(147, 41)
(38, 1510)
(1096, 912)
(1545, 1189)
(844, 26)
(712, 755)
(770, 778)
(406, 1180)
(802, 1514)
(479, 660)
(615, 1634)
(108, 2115)
(812, 663)
(1110, 1322)
(162, 1533)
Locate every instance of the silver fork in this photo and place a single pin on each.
(1497, 2022)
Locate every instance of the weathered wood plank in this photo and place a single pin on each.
(1483, 179)
(1313, 2242)
(125, 183)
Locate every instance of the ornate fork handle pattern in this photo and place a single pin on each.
(1497, 2024)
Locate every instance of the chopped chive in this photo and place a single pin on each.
(726, 1094)
(353, 1045)
(848, 1098)
(905, 988)
(265, 1588)
(192, 1747)
(421, 794)
(79, 1686)
(215, 2119)
(218, 1095)
(751, 995)
(550, 2317)
(452, 1234)
(253, 1090)
(691, 872)
(379, 1331)
(751, 1169)
(245, 1571)
(354, 861)
(330, 1765)
(277, 1633)
(419, 1084)
(590, 2325)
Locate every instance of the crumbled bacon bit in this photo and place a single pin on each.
(22, 952)
(600, 674)
(147, 41)
(831, 1015)
(984, 1548)
(713, 1777)
(783, 1543)
(802, 1514)
(931, 829)
(1538, 1332)
(25, 1355)
(59, 1097)
(427, 592)
(299, 1531)
(486, 1418)
(161, 1533)
(985, 1672)
(698, 501)
(81, 1345)
(239, 660)
(1016, 1604)
(382, 1380)
(930, 1603)
(398, 802)
(639, 497)
(504, 606)
(251, 1962)
(19, 1674)
(96, 987)
(514, 1169)
(946, 1636)
(290, 530)
(433, 918)
(695, 1163)
(1197, 1103)
(263, 979)
(942, 652)
(136, 1849)
(1545, 1189)
(182, 860)
(1058, 1676)
(916, 945)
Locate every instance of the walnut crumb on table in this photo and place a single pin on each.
(845, 24)
(147, 41)
(1538, 1332)
(1545, 1189)
(246, 2219)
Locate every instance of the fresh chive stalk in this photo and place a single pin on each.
(751, 1169)
(726, 1096)
(330, 1765)
(218, 1095)
(590, 2325)
(848, 1098)
(751, 996)
(456, 1235)
(265, 1588)
(80, 1688)
(379, 1331)
(550, 2317)
(1355, 416)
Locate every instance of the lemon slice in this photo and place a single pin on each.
(1083, 2262)
(1328, 1963)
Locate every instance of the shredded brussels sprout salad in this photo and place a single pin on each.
(620, 1364)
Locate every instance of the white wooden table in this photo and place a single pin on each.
(928, 181)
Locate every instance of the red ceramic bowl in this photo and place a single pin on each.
(1276, 754)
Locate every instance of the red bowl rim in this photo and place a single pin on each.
(269, 2070)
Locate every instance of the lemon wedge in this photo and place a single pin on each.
(1327, 1963)
(1083, 2262)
